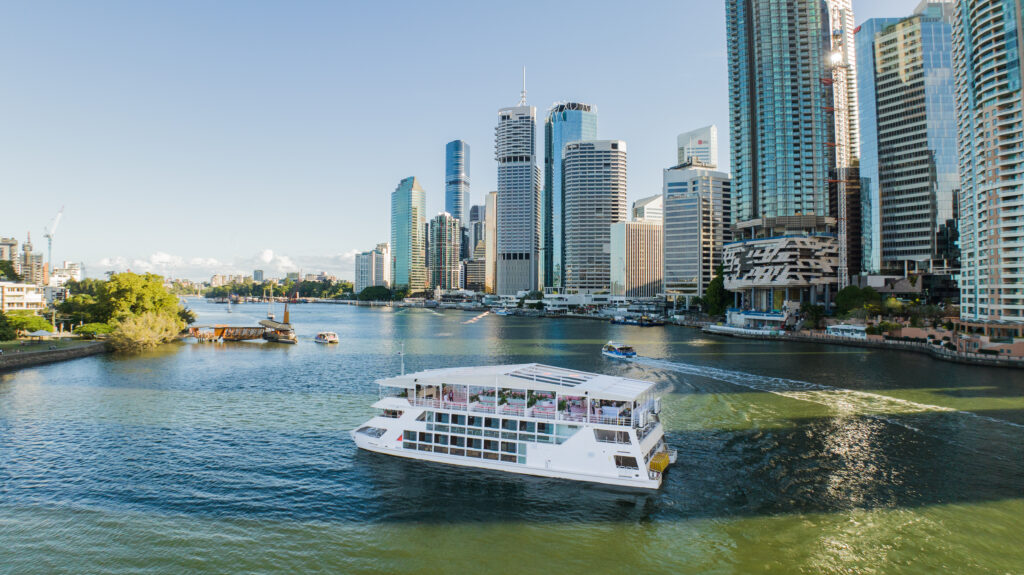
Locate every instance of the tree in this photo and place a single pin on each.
(86, 286)
(848, 299)
(375, 293)
(29, 323)
(7, 333)
(7, 271)
(716, 299)
(145, 330)
(91, 330)
(78, 308)
(128, 294)
(813, 314)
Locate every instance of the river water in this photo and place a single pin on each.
(793, 458)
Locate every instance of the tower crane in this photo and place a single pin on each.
(51, 229)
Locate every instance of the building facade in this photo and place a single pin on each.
(491, 242)
(566, 122)
(408, 241)
(31, 267)
(518, 213)
(700, 144)
(697, 225)
(913, 105)
(21, 297)
(793, 142)
(456, 179)
(650, 209)
(636, 258)
(987, 64)
(445, 252)
(476, 270)
(372, 268)
(594, 185)
(257, 276)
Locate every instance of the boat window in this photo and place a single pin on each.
(508, 447)
(424, 437)
(626, 462)
(476, 443)
(490, 445)
(423, 416)
(441, 439)
(392, 413)
(527, 426)
(476, 421)
(408, 445)
(459, 419)
(545, 428)
(371, 431)
(609, 436)
(409, 435)
(509, 424)
(491, 422)
(458, 441)
(441, 417)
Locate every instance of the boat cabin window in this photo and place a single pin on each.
(609, 436)
(426, 414)
(392, 413)
(509, 424)
(626, 462)
(475, 421)
(491, 422)
(441, 417)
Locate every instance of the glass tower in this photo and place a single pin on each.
(456, 179)
(569, 122)
(408, 242)
(518, 217)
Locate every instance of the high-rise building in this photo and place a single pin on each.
(649, 209)
(31, 267)
(9, 250)
(476, 270)
(382, 272)
(372, 268)
(491, 242)
(445, 252)
(700, 144)
(636, 258)
(408, 242)
(475, 227)
(912, 106)
(697, 225)
(456, 179)
(257, 276)
(566, 122)
(518, 218)
(594, 186)
(987, 67)
(793, 147)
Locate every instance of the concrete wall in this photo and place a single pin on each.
(11, 360)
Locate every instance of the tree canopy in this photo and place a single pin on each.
(128, 294)
(7, 332)
(29, 323)
(852, 298)
(7, 271)
(375, 293)
(716, 299)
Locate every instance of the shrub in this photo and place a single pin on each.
(136, 333)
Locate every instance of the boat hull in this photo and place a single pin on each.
(614, 355)
(377, 446)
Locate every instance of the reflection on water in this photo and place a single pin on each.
(236, 457)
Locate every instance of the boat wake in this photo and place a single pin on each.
(840, 400)
(477, 318)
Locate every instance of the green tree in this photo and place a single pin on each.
(375, 293)
(128, 294)
(29, 323)
(716, 299)
(848, 299)
(78, 308)
(86, 286)
(7, 271)
(400, 293)
(91, 330)
(7, 332)
(145, 330)
(813, 315)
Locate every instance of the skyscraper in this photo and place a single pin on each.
(913, 109)
(445, 252)
(649, 209)
(700, 144)
(491, 242)
(566, 122)
(594, 185)
(794, 145)
(408, 244)
(373, 268)
(518, 218)
(987, 64)
(257, 276)
(636, 258)
(456, 179)
(697, 225)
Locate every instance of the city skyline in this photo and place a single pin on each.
(214, 140)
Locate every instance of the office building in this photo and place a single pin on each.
(257, 276)
(793, 146)
(636, 258)
(456, 179)
(594, 186)
(518, 217)
(475, 227)
(649, 209)
(914, 131)
(476, 270)
(566, 122)
(491, 242)
(372, 268)
(700, 144)
(697, 226)
(987, 68)
(408, 241)
(445, 262)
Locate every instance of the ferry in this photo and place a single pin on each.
(326, 337)
(529, 419)
(503, 311)
(618, 350)
(279, 332)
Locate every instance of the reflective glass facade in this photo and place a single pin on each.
(456, 179)
(408, 235)
(565, 123)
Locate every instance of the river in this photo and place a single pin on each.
(793, 458)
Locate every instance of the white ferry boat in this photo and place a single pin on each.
(528, 418)
(326, 337)
(617, 350)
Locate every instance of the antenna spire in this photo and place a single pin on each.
(522, 95)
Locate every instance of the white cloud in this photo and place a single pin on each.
(202, 267)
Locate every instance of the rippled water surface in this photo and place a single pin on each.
(793, 458)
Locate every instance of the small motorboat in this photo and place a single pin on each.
(503, 311)
(618, 350)
(326, 337)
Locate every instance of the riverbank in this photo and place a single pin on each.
(18, 359)
(935, 351)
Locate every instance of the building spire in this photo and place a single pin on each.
(522, 95)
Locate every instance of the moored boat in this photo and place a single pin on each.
(279, 332)
(617, 350)
(326, 337)
(529, 418)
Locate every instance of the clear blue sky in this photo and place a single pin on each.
(192, 137)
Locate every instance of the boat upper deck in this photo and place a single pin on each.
(528, 377)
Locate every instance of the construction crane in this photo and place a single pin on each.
(51, 229)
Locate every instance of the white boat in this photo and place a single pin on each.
(326, 337)
(617, 350)
(529, 418)
(502, 311)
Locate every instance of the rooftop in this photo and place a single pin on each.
(532, 376)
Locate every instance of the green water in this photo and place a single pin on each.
(793, 458)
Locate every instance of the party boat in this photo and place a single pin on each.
(527, 418)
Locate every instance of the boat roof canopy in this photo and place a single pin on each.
(530, 376)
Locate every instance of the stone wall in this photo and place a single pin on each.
(11, 360)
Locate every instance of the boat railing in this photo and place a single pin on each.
(482, 407)
(605, 420)
(426, 402)
(646, 430)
